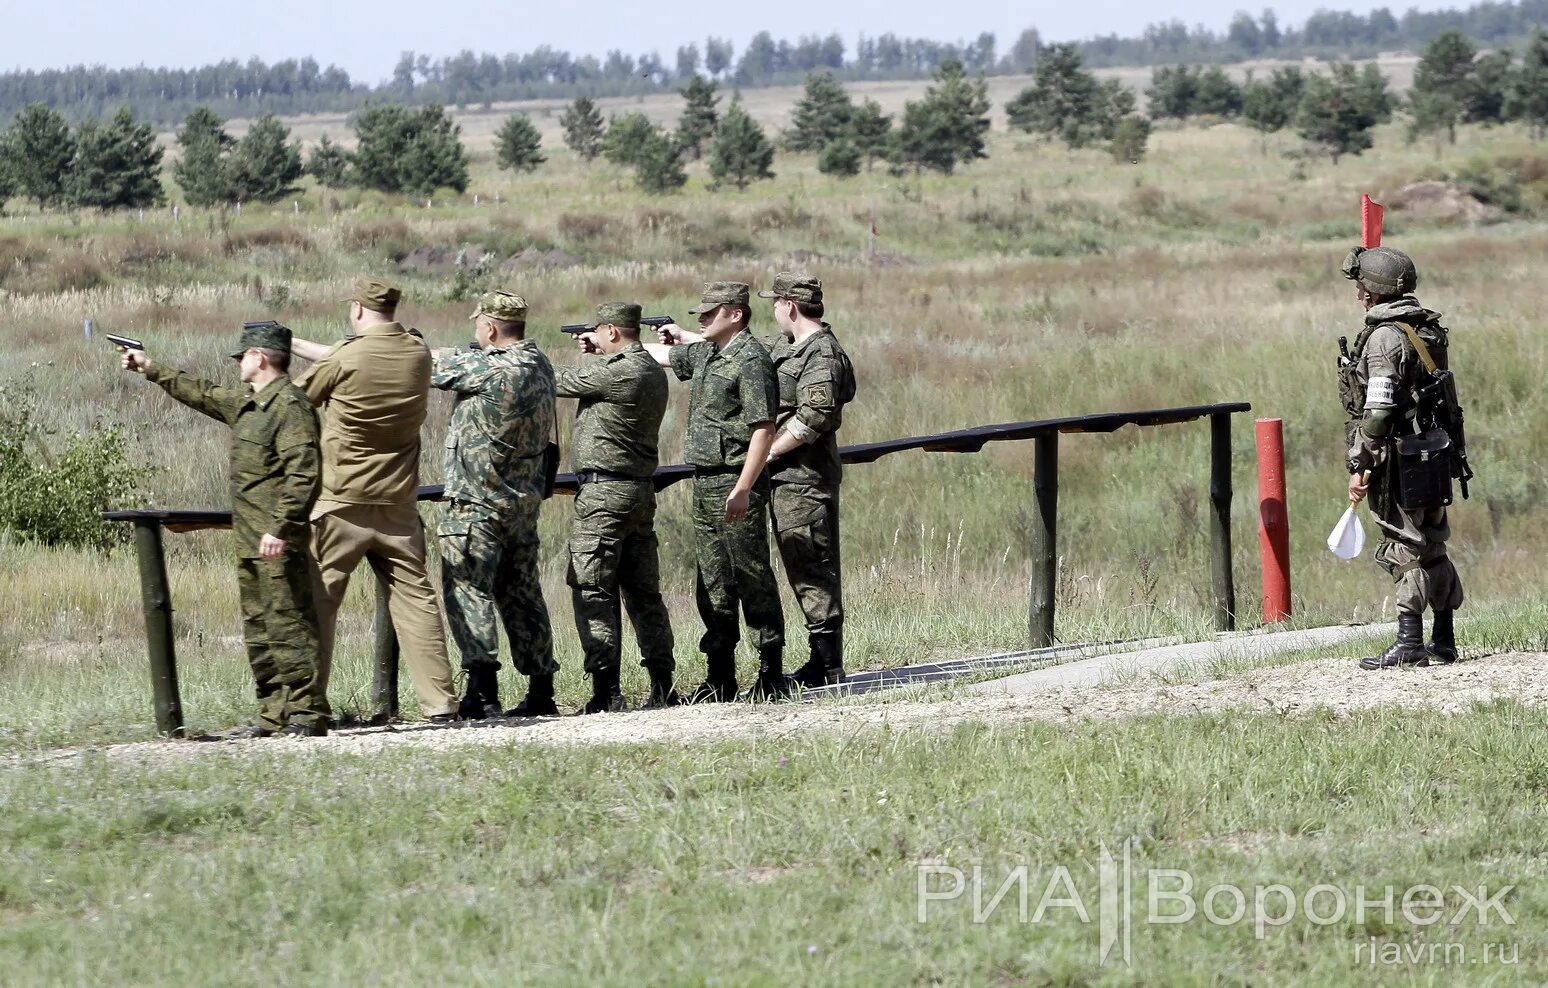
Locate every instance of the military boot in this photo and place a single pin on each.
(1443, 639)
(826, 666)
(719, 684)
(539, 701)
(483, 695)
(772, 683)
(606, 697)
(661, 692)
(1408, 650)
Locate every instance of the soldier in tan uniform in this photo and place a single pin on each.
(373, 389)
(274, 483)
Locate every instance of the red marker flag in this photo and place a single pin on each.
(1370, 222)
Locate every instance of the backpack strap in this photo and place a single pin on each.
(1424, 351)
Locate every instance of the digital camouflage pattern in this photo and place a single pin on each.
(264, 335)
(718, 293)
(806, 531)
(624, 314)
(734, 389)
(489, 576)
(733, 571)
(816, 381)
(621, 400)
(505, 306)
(797, 286)
(613, 556)
(1413, 543)
(502, 419)
(275, 479)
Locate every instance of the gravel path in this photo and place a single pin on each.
(1294, 690)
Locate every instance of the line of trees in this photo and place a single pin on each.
(232, 88)
(101, 164)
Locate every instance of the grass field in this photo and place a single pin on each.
(1037, 283)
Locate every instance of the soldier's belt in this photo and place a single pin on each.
(592, 476)
(716, 471)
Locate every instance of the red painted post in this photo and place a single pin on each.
(1273, 520)
(1370, 222)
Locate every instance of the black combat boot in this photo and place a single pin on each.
(1408, 650)
(772, 683)
(483, 695)
(719, 684)
(662, 694)
(826, 666)
(539, 701)
(1443, 639)
(606, 697)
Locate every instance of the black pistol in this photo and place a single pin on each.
(123, 341)
(654, 322)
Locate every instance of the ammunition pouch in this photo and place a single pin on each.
(1424, 466)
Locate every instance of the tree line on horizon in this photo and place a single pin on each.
(249, 89)
(416, 151)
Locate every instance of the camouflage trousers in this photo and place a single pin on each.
(732, 560)
(806, 529)
(489, 575)
(1413, 552)
(279, 624)
(612, 555)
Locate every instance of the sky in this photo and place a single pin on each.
(366, 36)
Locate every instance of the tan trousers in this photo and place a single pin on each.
(392, 539)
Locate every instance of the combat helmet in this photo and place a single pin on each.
(1384, 271)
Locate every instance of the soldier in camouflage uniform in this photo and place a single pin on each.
(816, 381)
(276, 474)
(1377, 384)
(731, 410)
(622, 399)
(502, 421)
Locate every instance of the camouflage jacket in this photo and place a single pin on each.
(816, 381)
(733, 390)
(1383, 354)
(276, 469)
(501, 421)
(623, 398)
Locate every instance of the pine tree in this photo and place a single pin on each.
(871, 131)
(328, 164)
(1270, 106)
(517, 144)
(583, 127)
(201, 167)
(1376, 100)
(947, 127)
(626, 138)
(1529, 89)
(263, 166)
(40, 147)
(1486, 99)
(840, 157)
(658, 162)
(1333, 117)
(116, 165)
(699, 119)
(1065, 101)
(1441, 83)
(1172, 91)
(1130, 135)
(740, 152)
(821, 115)
(410, 151)
(1216, 95)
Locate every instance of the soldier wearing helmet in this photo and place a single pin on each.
(1378, 383)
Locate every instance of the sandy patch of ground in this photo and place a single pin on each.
(1333, 684)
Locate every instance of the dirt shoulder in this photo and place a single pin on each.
(1300, 689)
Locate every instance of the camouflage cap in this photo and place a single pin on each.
(269, 335)
(378, 296)
(625, 314)
(502, 305)
(797, 286)
(718, 293)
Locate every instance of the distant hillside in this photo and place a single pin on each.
(467, 79)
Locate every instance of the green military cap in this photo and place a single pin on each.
(625, 314)
(717, 293)
(505, 306)
(378, 296)
(269, 335)
(797, 286)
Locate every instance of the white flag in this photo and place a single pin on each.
(1348, 537)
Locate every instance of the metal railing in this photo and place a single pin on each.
(156, 591)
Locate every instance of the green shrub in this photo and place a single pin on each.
(54, 497)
